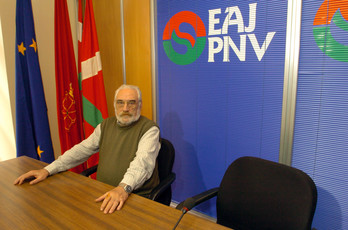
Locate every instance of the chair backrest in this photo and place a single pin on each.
(260, 194)
(165, 158)
(165, 161)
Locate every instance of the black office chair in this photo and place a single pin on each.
(260, 194)
(162, 192)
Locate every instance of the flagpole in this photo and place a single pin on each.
(123, 45)
(153, 4)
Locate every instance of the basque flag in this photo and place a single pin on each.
(90, 72)
(33, 137)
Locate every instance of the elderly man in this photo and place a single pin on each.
(128, 145)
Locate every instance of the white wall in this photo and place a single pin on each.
(43, 12)
(7, 138)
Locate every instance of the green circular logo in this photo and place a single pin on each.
(172, 33)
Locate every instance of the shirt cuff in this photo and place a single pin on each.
(51, 169)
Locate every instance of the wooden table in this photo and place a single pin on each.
(66, 201)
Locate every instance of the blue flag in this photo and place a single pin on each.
(33, 136)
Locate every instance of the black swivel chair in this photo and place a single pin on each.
(162, 192)
(260, 194)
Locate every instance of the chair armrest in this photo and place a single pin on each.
(89, 171)
(206, 195)
(162, 186)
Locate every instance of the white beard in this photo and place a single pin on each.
(124, 122)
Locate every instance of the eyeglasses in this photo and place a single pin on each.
(130, 104)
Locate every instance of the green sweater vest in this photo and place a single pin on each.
(117, 149)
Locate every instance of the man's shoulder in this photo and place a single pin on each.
(145, 118)
(147, 121)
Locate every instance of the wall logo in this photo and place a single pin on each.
(222, 23)
(194, 46)
(336, 12)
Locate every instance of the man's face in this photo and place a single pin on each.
(127, 106)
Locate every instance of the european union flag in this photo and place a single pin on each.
(33, 136)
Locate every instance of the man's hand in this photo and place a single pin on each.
(113, 200)
(39, 175)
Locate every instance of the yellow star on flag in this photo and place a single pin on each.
(34, 45)
(39, 151)
(21, 48)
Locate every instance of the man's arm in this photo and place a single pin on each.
(78, 154)
(74, 156)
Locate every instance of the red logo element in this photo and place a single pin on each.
(326, 11)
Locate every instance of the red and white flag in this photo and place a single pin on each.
(69, 109)
(91, 75)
